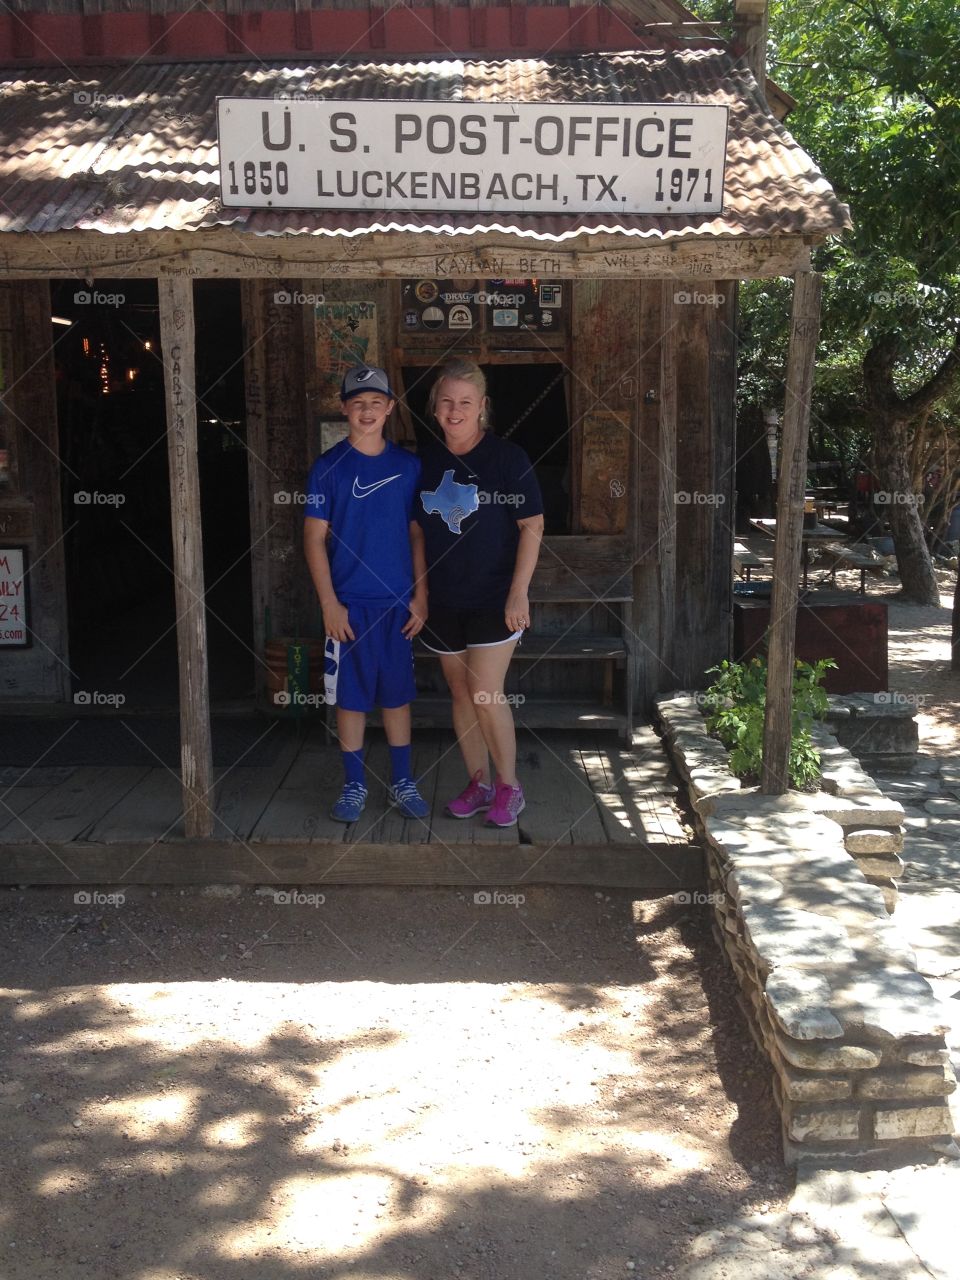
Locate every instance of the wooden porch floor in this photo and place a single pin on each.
(596, 813)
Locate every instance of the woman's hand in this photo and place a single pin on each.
(336, 621)
(418, 615)
(517, 611)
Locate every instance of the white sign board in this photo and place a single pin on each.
(13, 599)
(485, 157)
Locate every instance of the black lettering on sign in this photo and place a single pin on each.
(265, 131)
(338, 127)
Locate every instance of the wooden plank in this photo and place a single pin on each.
(455, 833)
(177, 337)
(383, 824)
(665, 867)
(300, 806)
(68, 811)
(16, 800)
(244, 793)
(804, 332)
(152, 810)
(234, 253)
(647, 519)
(561, 804)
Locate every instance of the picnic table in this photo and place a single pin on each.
(843, 555)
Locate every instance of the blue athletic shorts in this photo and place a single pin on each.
(375, 669)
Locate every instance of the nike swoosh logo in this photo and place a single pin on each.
(361, 490)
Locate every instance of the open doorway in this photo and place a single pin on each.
(116, 492)
(529, 406)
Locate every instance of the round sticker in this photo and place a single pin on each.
(433, 318)
(426, 290)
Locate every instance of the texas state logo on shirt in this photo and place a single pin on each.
(451, 501)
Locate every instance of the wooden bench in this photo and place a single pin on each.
(589, 571)
(851, 558)
(747, 557)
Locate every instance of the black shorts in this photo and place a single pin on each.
(456, 630)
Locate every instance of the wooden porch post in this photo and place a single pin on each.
(804, 331)
(177, 337)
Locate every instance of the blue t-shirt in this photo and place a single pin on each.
(469, 507)
(368, 503)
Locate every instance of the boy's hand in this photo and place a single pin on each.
(336, 621)
(418, 616)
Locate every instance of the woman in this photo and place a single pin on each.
(482, 518)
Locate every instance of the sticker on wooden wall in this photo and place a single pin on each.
(346, 336)
(604, 492)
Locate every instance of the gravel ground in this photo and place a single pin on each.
(393, 1084)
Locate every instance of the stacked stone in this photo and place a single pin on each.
(701, 760)
(853, 1032)
(872, 824)
(879, 728)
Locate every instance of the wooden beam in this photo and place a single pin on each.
(777, 728)
(750, 23)
(177, 338)
(223, 252)
(663, 867)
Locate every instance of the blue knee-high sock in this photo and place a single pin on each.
(400, 763)
(353, 766)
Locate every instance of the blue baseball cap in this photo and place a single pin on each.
(365, 378)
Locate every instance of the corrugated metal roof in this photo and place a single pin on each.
(133, 148)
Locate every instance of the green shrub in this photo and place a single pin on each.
(735, 704)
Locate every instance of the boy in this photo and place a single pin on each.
(371, 582)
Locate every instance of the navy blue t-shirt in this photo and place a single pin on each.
(469, 507)
(369, 504)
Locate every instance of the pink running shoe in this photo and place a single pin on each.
(475, 797)
(507, 805)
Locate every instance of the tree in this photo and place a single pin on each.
(877, 90)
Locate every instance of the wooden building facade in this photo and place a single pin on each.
(618, 372)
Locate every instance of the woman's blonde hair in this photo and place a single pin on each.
(461, 370)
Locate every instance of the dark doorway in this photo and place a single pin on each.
(116, 493)
(529, 406)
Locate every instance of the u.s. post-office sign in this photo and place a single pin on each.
(616, 158)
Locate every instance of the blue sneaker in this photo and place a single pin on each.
(350, 805)
(408, 800)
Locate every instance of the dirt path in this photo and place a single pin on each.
(394, 1084)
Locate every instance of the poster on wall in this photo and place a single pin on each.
(14, 624)
(451, 306)
(346, 336)
(439, 306)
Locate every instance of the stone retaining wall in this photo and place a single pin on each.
(802, 886)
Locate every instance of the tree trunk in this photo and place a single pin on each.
(955, 637)
(896, 499)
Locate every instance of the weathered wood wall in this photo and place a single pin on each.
(35, 520)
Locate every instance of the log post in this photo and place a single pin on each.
(177, 337)
(777, 726)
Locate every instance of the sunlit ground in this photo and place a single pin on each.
(263, 1125)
